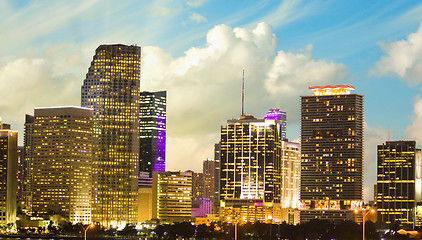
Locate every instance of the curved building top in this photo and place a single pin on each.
(331, 90)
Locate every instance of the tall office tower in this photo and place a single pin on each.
(197, 185)
(21, 157)
(152, 137)
(332, 149)
(217, 157)
(8, 179)
(111, 88)
(28, 139)
(171, 196)
(62, 176)
(251, 167)
(398, 182)
(208, 168)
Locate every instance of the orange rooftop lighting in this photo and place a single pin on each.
(331, 90)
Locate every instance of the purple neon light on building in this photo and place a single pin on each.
(152, 127)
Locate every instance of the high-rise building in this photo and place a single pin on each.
(152, 128)
(208, 168)
(197, 185)
(332, 149)
(399, 181)
(62, 158)
(28, 139)
(21, 158)
(171, 196)
(8, 179)
(111, 88)
(251, 168)
(217, 157)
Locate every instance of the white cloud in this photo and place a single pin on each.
(33, 83)
(195, 3)
(414, 131)
(204, 85)
(403, 59)
(197, 18)
(373, 136)
(291, 71)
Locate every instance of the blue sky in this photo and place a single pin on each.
(196, 49)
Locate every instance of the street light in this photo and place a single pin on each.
(235, 226)
(363, 224)
(86, 229)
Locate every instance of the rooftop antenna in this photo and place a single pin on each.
(243, 93)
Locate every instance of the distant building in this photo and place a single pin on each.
(21, 159)
(332, 154)
(197, 185)
(152, 128)
(254, 169)
(171, 196)
(61, 164)
(208, 169)
(28, 142)
(399, 181)
(201, 207)
(111, 88)
(8, 179)
(216, 200)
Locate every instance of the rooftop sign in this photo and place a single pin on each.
(332, 90)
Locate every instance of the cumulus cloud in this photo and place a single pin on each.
(414, 131)
(403, 59)
(291, 71)
(197, 18)
(373, 136)
(204, 85)
(33, 83)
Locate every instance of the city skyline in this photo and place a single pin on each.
(195, 50)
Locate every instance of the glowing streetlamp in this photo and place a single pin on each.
(235, 226)
(86, 229)
(363, 224)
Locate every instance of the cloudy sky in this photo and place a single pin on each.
(196, 49)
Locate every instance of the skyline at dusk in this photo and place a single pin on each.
(196, 50)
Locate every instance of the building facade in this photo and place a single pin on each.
(111, 88)
(8, 178)
(28, 137)
(251, 169)
(152, 128)
(208, 169)
(62, 175)
(398, 182)
(332, 150)
(171, 196)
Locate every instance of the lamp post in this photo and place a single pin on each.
(363, 219)
(235, 226)
(86, 229)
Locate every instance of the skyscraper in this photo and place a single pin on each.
(332, 148)
(152, 138)
(208, 168)
(251, 167)
(398, 181)
(111, 88)
(8, 179)
(28, 138)
(62, 159)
